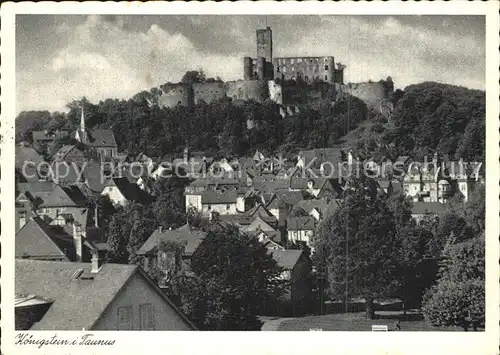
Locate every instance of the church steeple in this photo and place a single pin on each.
(82, 132)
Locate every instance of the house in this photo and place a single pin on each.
(47, 199)
(54, 295)
(195, 189)
(221, 202)
(264, 214)
(427, 210)
(153, 256)
(316, 187)
(253, 224)
(28, 163)
(43, 140)
(300, 229)
(75, 153)
(38, 240)
(281, 203)
(121, 192)
(319, 209)
(192, 164)
(315, 158)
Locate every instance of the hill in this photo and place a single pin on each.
(426, 117)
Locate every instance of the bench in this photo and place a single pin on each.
(380, 328)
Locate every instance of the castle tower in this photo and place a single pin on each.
(247, 68)
(261, 68)
(329, 70)
(265, 44)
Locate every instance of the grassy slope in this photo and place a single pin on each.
(357, 322)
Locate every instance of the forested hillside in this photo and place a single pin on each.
(427, 117)
(432, 116)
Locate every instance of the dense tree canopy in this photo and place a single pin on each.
(232, 276)
(432, 116)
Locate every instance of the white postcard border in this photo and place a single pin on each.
(262, 342)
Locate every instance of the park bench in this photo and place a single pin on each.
(380, 328)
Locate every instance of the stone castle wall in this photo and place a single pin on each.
(373, 94)
(208, 92)
(256, 90)
(175, 94)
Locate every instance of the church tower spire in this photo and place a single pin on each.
(83, 131)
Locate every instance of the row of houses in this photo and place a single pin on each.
(279, 202)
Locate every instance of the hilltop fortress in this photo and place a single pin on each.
(266, 77)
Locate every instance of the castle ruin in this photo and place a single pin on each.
(266, 77)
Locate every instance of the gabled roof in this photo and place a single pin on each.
(302, 183)
(300, 223)
(332, 155)
(52, 195)
(78, 303)
(290, 198)
(101, 138)
(215, 182)
(185, 234)
(263, 213)
(268, 185)
(63, 152)
(94, 177)
(256, 223)
(45, 135)
(325, 206)
(38, 240)
(27, 154)
(429, 208)
(130, 191)
(218, 197)
(287, 259)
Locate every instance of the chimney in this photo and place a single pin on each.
(435, 158)
(96, 262)
(96, 216)
(77, 240)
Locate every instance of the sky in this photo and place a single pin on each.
(60, 58)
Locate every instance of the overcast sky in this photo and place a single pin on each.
(60, 58)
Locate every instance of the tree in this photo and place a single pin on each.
(194, 76)
(458, 298)
(117, 238)
(364, 227)
(233, 274)
(416, 271)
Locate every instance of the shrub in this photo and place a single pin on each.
(451, 303)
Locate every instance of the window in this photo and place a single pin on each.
(22, 218)
(209, 207)
(228, 207)
(284, 70)
(147, 316)
(293, 69)
(124, 318)
(326, 67)
(292, 61)
(278, 69)
(326, 77)
(306, 78)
